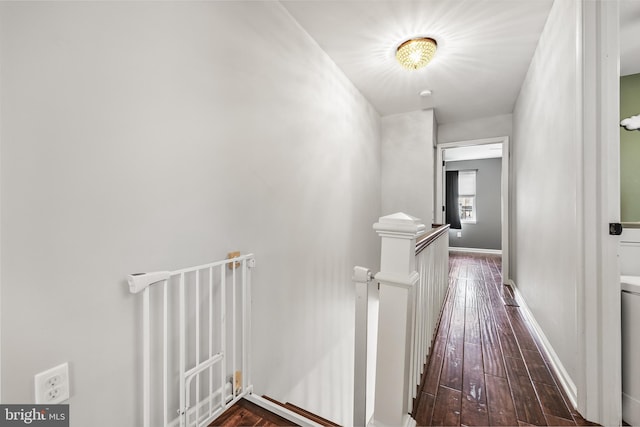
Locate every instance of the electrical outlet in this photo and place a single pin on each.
(52, 385)
(54, 381)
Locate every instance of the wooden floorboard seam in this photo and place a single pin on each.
(492, 370)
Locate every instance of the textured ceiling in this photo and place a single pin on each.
(484, 50)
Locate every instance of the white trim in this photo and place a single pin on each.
(281, 411)
(561, 373)
(1, 151)
(506, 194)
(406, 281)
(597, 293)
(475, 250)
(407, 421)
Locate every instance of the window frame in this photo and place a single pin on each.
(473, 196)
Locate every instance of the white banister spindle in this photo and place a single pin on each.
(397, 278)
(432, 264)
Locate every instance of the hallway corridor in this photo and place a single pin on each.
(486, 368)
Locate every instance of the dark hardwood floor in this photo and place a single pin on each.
(245, 413)
(486, 368)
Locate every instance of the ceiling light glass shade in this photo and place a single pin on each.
(416, 53)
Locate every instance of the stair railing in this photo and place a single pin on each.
(397, 311)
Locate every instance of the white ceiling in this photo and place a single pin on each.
(484, 50)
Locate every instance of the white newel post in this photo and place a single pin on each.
(397, 278)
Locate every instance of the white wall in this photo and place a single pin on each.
(142, 136)
(486, 127)
(407, 164)
(546, 151)
(486, 231)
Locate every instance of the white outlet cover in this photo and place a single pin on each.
(52, 385)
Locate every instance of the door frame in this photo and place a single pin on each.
(439, 214)
(599, 381)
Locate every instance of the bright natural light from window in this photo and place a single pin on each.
(467, 195)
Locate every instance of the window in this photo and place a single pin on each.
(467, 195)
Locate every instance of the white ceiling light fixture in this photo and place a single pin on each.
(416, 53)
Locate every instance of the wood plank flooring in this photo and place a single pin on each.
(486, 367)
(245, 413)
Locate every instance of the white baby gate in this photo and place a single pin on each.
(206, 310)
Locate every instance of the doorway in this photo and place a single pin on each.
(479, 144)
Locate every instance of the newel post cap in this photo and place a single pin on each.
(400, 223)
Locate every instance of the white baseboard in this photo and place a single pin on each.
(281, 411)
(475, 250)
(561, 373)
(407, 421)
(630, 409)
